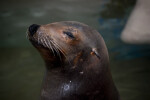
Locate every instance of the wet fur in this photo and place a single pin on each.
(77, 67)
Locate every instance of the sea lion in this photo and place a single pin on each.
(77, 62)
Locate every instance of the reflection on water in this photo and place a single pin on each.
(22, 68)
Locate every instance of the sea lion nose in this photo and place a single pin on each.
(33, 28)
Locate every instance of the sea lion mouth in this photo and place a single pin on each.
(37, 44)
(47, 43)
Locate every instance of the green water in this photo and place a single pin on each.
(22, 68)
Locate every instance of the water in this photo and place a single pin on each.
(22, 68)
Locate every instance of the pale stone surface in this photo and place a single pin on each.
(137, 29)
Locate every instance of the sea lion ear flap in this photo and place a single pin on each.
(95, 52)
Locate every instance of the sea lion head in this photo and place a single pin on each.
(68, 42)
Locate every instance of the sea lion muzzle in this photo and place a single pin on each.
(33, 28)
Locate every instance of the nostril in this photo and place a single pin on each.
(33, 28)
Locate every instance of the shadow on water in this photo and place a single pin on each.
(22, 68)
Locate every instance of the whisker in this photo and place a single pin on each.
(57, 50)
(55, 47)
(46, 43)
(49, 43)
(42, 40)
(61, 50)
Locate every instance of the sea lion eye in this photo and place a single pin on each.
(69, 34)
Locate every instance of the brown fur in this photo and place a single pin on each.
(77, 62)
